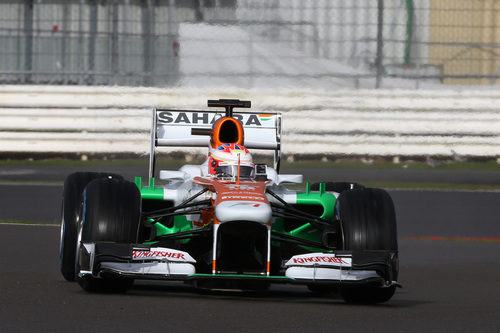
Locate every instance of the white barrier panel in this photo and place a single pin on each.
(86, 120)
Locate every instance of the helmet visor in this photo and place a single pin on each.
(232, 171)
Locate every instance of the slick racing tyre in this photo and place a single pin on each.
(338, 187)
(112, 213)
(70, 215)
(368, 222)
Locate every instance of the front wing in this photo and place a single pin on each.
(138, 261)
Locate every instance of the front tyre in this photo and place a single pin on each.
(112, 213)
(368, 222)
(70, 215)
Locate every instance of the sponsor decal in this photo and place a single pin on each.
(241, 197)
(320, 259)
(166, 117)
(142, 254)
(245, 204)
(243, 192)
(265, 117)
(240, 187)
(252, 120)
(202, 118)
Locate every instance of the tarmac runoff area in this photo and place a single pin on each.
(449, 255)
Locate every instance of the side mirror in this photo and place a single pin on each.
(290, 179)
(260, 172)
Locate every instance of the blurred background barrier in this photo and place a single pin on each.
(62, 61)
(390, 123)
(251, 43)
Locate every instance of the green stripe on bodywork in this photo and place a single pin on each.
(149, 192)
(180, 224)
(249, 276)
(307, 230)
(325, 199)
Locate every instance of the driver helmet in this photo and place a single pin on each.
(224, 161)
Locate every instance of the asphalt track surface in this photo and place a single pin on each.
(449, 284)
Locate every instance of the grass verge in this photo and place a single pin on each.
(21, 222)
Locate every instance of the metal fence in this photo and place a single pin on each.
(250, 43)
(92, 42)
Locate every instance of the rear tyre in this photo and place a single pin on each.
(70, 215)
(112, 213)
(368, 222)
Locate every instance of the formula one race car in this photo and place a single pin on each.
(227, 223)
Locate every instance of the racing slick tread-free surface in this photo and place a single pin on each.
(368, 222)
(72, 197)
(112, 213)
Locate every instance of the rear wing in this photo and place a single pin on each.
(191, 128)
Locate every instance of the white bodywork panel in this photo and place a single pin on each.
(255, 211)
(151, 268)
(174, 175)
(325, 266)
(155, 261)
(289, 179)
(335, 274)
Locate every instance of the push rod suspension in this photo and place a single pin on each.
(296, 240)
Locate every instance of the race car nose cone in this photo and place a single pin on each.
(243, 211)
